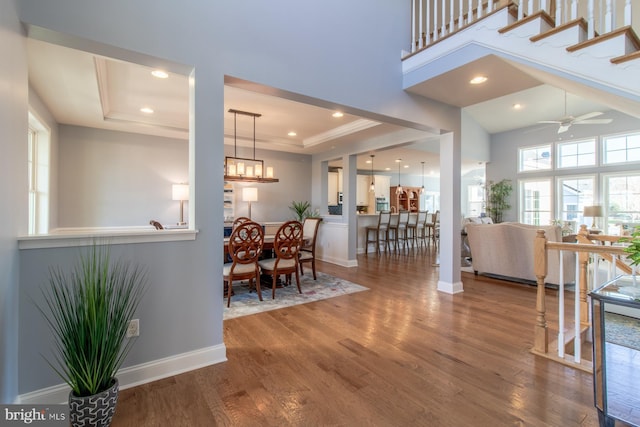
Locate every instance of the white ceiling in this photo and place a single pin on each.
(88, 90)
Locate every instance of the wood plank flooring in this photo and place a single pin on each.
(400, 354)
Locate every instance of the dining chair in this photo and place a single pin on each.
(240, 220)
(393, 231)
(245, 247)
(307, 253)
(286, 246)
(378, 233)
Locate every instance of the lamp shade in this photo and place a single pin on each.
(180, 192)
(249, 194)
(593, 211)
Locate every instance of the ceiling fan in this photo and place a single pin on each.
(585, 119)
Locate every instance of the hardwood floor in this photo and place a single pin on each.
(400, 354)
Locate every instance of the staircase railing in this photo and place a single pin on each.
(592, 251)
(431, 20)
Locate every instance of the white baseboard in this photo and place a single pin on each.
(138, 374)
(339, 261)
(450, 288)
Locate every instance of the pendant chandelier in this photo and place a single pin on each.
(399, 189)
(244, 169)
(422, 190)
(372, 187)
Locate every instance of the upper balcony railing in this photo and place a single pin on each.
(431, 20)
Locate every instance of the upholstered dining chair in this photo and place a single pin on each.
(307, 252)
(286, 246)
(378, 233)
(245, 247)
(156, 224)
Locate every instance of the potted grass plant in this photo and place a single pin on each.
(88, 311)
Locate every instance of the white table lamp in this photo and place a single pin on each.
(249, 194)
(180, 192)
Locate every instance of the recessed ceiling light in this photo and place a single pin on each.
(387, 169)
(517, 106)
(478, 80)
(292, 133)
(406, 166)
(160, 74)
(147, 110)
(337, 114)
(368, 161)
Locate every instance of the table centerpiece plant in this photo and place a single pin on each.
(88, 311)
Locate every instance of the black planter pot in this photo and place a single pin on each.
(96, 410)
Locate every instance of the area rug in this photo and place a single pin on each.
(244, 303)
(622, 330)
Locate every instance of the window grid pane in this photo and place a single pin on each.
(576, 154)
(622, 193)
(536, 202)
(574, 194)
(535, 158)
(620, 149)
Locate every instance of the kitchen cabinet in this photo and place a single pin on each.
(362, 190)
(408, 199)
(332, 195)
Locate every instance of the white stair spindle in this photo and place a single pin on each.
(627, 13)
(543, 5)
(461, 15)
(451, 13)
(427, 30)
(530, 8)
(561, 309)
(577, 341)
(413, 25)
(489, 6)
(608, 17)
(590, 21)
(470, 12)
(574, 10)
(420, 25)
(558, 12)
(436, 27)
(520, 9)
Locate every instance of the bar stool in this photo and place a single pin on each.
(379, 233)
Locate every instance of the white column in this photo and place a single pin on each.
(450, 220)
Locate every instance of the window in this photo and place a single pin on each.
(535, 158)
(574, 193)
(475, 200)
(38, 137)
(622, 197)
(535, 202)
(621, 149)
(577, 154)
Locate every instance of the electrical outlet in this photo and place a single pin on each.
(133, 330)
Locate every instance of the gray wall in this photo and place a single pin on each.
(504, 151)
(13, 185)
(308, 49)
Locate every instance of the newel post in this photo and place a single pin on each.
(541, 337)
(582, 285)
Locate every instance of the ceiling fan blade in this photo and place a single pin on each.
(550, 121)
(588, 116)
(593, 122)
(563, 128)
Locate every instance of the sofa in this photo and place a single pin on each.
(506, 250)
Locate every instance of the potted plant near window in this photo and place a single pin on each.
(88, 311)
(497, 198)
(302, 210)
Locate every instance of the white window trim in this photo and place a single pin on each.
(597, 153)
(552, 196)
(558, 195)
(602, 150)
(72, 237)
(529, 147)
